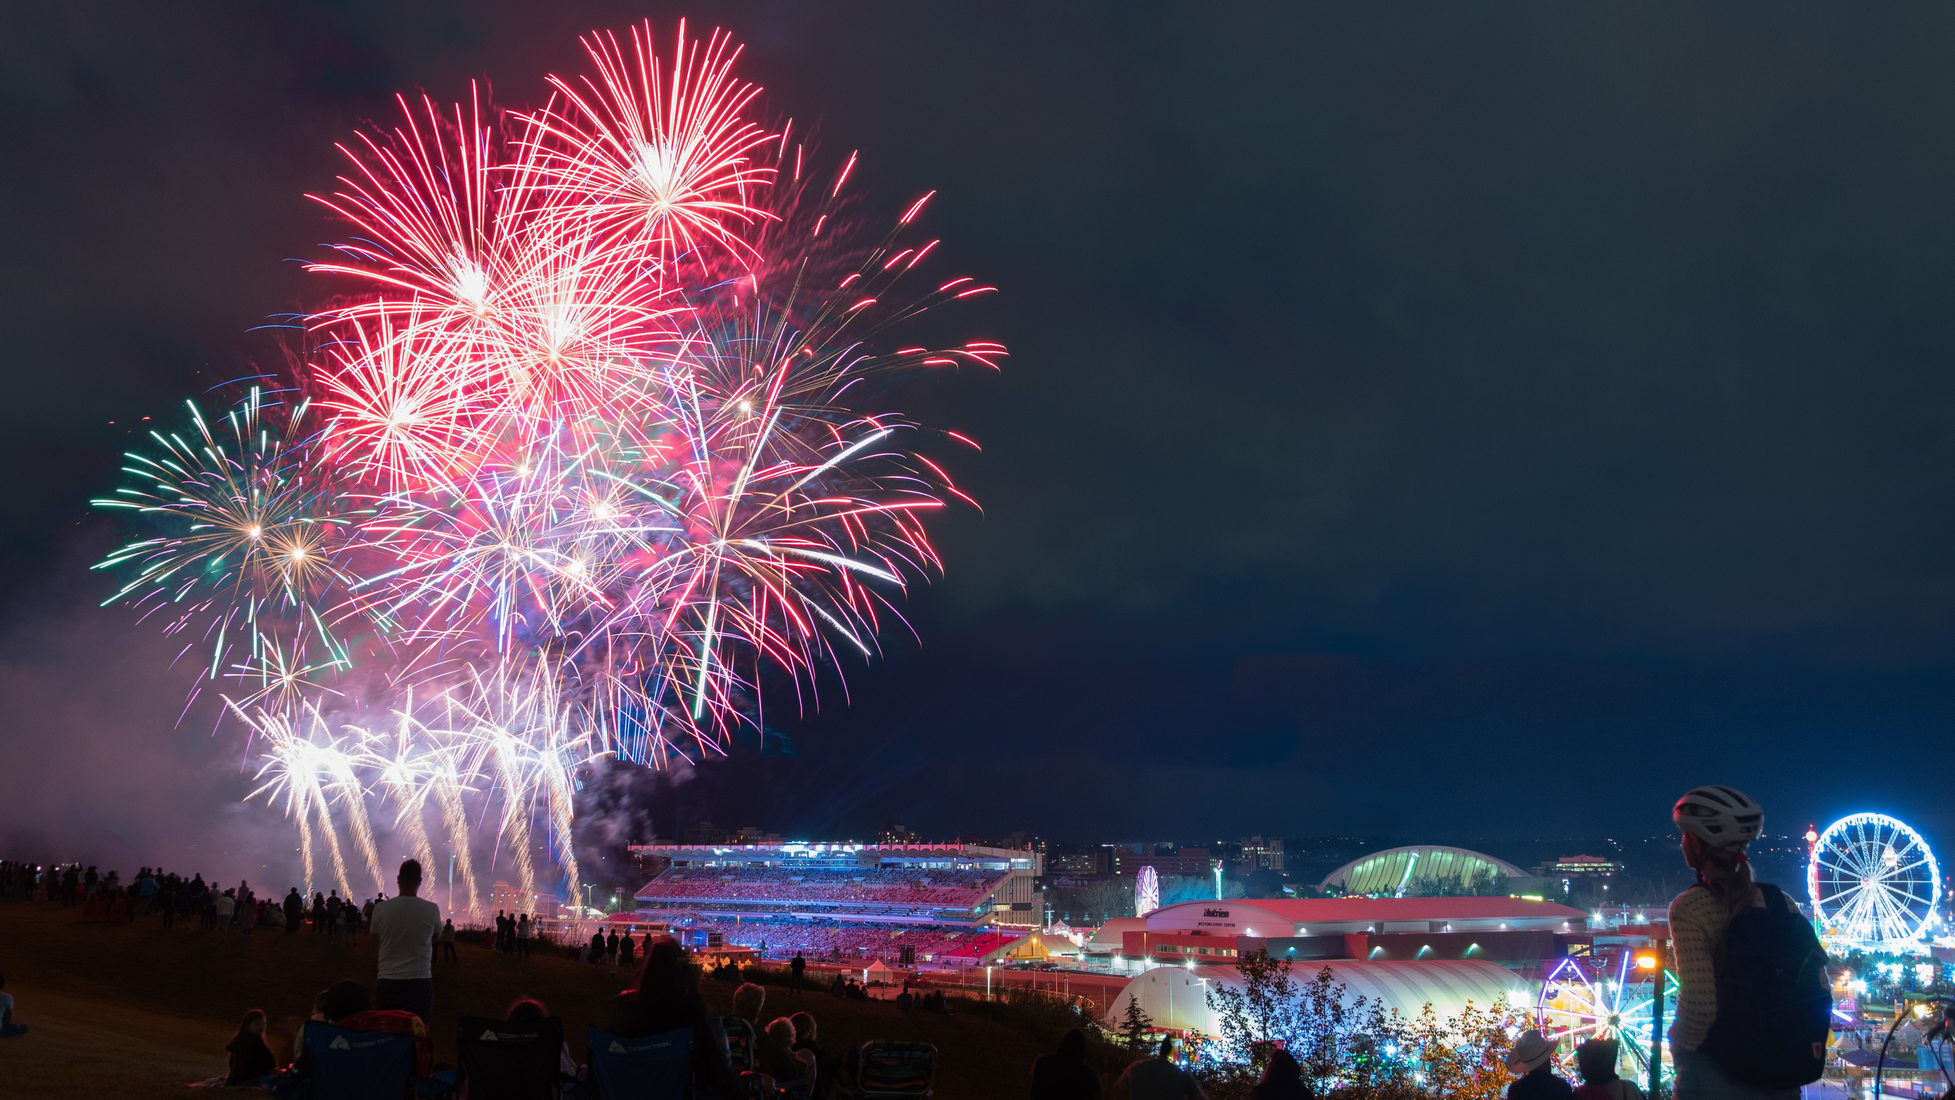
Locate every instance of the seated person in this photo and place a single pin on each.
(345, 1004)
(531, 1011)
(807, 1041)
(251, 1059)
(775, 1056)
(668, 999)
(8, 1028)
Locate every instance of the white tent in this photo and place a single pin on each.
(1176, 997)
(876, 971)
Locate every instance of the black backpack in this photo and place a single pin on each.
(1774, 1003)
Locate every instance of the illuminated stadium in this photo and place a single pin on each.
(918, 903)
(1423, 870)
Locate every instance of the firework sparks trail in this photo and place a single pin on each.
(406, 772)
(448, 792)
(350, 793)
(303, 771)
(577, 452)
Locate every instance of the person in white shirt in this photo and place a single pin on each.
(405, 927)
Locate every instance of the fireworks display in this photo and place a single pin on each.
(574, 463)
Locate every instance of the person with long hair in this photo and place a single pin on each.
(251, 1059)
(1717, 824)
(666, 999)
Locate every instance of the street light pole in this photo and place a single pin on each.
(1653, 960)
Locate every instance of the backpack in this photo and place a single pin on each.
(1774, 1004)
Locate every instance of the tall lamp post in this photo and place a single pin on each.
(1651, 959)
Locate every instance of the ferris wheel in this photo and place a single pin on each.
(1585, 998)
(1147, 891)
(1874, 883)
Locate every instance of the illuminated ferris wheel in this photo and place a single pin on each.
(1874, 884)
(1147, 892)
(1587, 998)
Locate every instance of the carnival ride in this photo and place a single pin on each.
(1587, 997)
(1147, 891)
(1874, 885)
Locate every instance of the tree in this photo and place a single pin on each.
(1268, 1008)
(1176, 888)
(1354, 1046)
(1135, 1023)
(1465, 1056)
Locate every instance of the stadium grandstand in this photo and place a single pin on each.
(1425, 870)
(910, 903)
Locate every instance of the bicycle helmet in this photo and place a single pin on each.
(1722, 817)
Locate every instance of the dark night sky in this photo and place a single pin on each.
(1438, 420)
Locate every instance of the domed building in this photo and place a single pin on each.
(1425, 870)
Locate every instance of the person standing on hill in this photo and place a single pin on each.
(405, 927)
(1064, 1074)
(1596, 1061)
(1157, 1078)
(1532, 1057)
(294, 911)
(1754, 1004)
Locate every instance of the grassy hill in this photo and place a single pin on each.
(136, 1011)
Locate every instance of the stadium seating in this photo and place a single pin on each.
(892, 888)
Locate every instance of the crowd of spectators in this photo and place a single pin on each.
(666, 996)
(833, 942)
(896, 887)
(175, 899)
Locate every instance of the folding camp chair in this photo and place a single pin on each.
(892, 1068)
(648, 1067)
(357, 1065)
(740, 1043)
(504, 1061)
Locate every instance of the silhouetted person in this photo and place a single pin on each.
(405, 927)
(251, 1060)
(1064, 1074)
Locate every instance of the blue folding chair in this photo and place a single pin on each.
(894, 1068)
(645, 1067)
(357, 1065)
(740, 1043)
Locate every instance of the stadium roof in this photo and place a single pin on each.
(1266, 918)
(1326, 910)
(1394, 870)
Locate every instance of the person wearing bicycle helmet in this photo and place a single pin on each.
(1717, 824)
